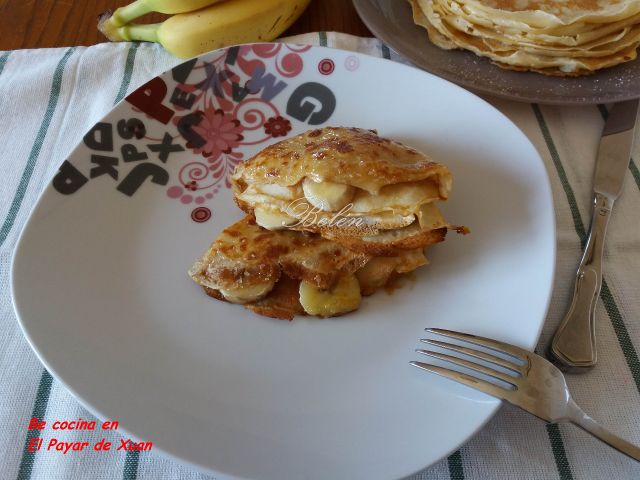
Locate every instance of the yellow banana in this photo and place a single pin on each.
(227, 23)
(327, 196)
(343, 297)
(109, 21)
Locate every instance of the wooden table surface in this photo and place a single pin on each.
(62, 23)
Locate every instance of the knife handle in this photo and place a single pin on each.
(574, 343)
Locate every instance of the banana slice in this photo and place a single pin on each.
(327, 196)
(399, 198)
(278, 191)
(343, 297)
(272, 219)
(247, 293)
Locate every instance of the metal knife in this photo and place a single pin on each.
(574, 344)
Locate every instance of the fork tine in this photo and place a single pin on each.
(472, 366)
(489, 343)
(468, 380)
(475, 354)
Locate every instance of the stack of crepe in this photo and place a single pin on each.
(553, 37)
(331, 215)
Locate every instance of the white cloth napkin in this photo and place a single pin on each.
(49, 98)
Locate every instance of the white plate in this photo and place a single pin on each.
(101, 289)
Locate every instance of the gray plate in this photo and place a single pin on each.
(391, 21)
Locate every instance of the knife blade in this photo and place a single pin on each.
(615, 149)
(573, 347)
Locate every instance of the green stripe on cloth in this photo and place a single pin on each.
(629, 351)
(130, 471)
(635, 172)
(39, 411)
(573, 205)
(559, 453)
(322, 38)
(386, 53)
(632, 164)
(35, 149)
(3, 60)
(44, 388)
(456, 471)
(128, 71)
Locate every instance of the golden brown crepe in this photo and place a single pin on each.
(282, 273)
(349, 185)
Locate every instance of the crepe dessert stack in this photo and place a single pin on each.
(331, 215)
(553, 37)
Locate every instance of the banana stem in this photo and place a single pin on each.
(108, 23)
(145, 33)
(128, 13)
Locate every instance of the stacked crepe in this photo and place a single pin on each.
(553, 37)
(331, 215)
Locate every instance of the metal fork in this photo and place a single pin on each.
(534, 384)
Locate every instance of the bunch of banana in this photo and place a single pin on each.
(198, 26)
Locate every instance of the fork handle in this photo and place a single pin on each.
(588, 424)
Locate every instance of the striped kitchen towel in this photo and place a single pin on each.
(50, 98)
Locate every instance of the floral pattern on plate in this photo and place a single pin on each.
(187, 129)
